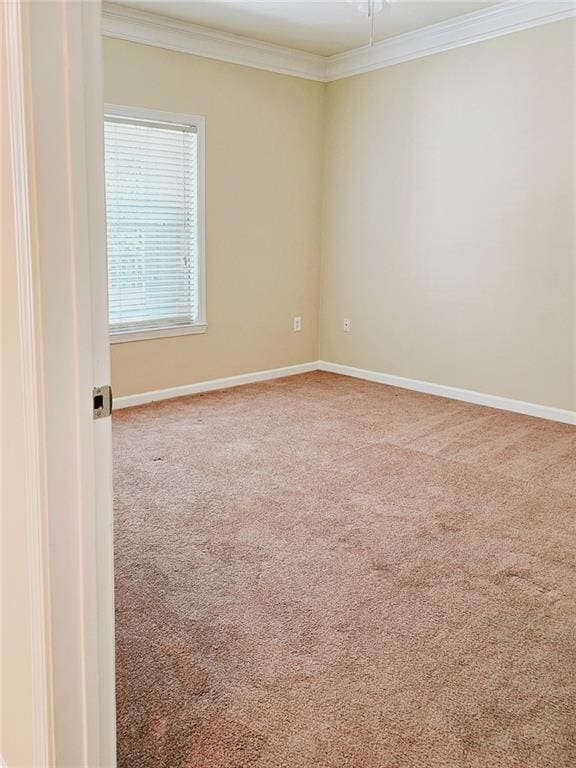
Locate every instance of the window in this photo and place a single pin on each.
(154, 212)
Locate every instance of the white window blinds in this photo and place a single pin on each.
(152, 220)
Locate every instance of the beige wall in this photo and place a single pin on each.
(263, 152)
(448, 234)
(444, 201)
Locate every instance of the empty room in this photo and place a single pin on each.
(289, 363)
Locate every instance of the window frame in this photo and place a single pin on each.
(198, 122)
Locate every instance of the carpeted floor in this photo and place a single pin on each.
(324, 572)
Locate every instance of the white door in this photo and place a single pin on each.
(53, 112)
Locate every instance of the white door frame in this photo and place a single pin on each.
(55, 118)
(26, 733)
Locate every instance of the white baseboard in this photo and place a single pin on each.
(454, 393)
(126, 401)
(441, 390)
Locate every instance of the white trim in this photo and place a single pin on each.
(66, 198)
(199, 123)
(91, 87)
(175, 35)
(154, 115)
(494, 21)
(440, 390)
(172, 34)
(32, 426)
(157, 333)
(128, 401)
(454, 393)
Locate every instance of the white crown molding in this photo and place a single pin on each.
(163, 32)
(175, 35)
(501, 19)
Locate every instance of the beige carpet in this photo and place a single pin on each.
(319, 571)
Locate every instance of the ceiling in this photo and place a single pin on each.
(317, 26)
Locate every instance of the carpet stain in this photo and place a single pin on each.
(321, 572)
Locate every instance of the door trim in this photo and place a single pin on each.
(35, 500)
(56, 118)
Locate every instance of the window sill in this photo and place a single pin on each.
(156, 333)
